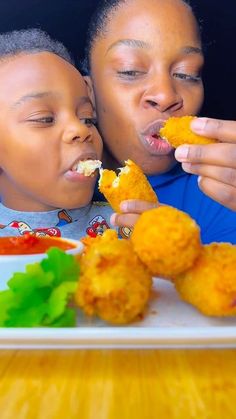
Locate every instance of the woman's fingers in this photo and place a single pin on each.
(215, 128)
(220, 192)
(225, 175)
(219, 154)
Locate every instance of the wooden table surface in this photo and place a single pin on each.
(145, 384)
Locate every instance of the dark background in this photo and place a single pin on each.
(67, 21)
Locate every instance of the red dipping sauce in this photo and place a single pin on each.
(28, 245)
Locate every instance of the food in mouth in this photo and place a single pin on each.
(88, 167)
(131, 183)
(176, 131)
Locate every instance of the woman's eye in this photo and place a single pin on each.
(88, 121)
(188, 77)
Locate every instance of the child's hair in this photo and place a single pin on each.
(31, 41)
(97, 26)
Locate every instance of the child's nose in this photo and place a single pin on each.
(162, 94)
(77, 131)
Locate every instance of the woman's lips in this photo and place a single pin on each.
(156, 145)
(152, 141)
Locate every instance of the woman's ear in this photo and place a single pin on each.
(89, 84)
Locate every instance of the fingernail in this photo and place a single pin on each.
(113, 219)
(186, 167)
(198, 124)
(124, 206)
(181, 153)
(199, 179)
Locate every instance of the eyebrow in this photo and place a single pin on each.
(39, 95)
(137, 43)
(192, 50)
(132, 43)
(30, 96)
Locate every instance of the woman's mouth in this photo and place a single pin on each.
(153, 142)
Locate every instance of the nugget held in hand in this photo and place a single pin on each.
(114, 284)
(177, 131)
(210, 284)
(166, 240)
(131, 183)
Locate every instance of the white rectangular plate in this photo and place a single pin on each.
(168, 323)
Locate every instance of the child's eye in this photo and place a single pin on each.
(130, 74)
(188, 77)
(43, 120)
(88, 121)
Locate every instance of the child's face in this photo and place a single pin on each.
(46, 127)
(145, 68)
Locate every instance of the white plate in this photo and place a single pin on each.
(169, 323)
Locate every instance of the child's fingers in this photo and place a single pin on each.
(123, 220)
(215, 128)
(136, 206)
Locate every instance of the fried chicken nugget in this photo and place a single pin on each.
(177, 131)
(114, 284)
(131, 183)
(210, 284)
(166, 240)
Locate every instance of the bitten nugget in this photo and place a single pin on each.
(166, 240)
(114, 284)
(177, 131)
(210, 284)
(131, 183)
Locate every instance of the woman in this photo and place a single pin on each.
(144, 60)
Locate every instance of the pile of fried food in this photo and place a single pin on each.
(116, 274)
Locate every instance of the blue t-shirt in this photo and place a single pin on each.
(180, 190)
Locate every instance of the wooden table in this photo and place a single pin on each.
(151, 384)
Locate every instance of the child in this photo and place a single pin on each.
(144, 61)
(46, 130)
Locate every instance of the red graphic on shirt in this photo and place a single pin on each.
(97, 226)
(24, 228)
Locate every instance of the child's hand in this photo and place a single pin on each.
(214, 163)
(131, 210)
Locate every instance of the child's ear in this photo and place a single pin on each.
(89, 85)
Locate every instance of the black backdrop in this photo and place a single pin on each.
(67, 20)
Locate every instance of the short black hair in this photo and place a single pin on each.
(31, 41)
(97, 26)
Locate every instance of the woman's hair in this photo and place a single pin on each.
(31, 41)
(98, 24)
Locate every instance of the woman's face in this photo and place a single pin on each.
(145, 68)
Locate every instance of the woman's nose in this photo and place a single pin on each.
(77, 131)
(162, 95)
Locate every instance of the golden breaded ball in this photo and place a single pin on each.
(166, 240)
(177, 131)
(114, 284)
(210, 285)
(131, 183)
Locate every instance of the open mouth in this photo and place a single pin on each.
(152, 140)
(86, 167)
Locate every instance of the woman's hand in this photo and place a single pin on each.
(130, 212)
(215, 164)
